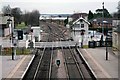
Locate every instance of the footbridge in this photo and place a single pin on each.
(23, 43)
(56, 44)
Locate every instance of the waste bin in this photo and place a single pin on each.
(91, 44)
(97, 44)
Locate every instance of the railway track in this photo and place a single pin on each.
(32, 68)
(75, 65)
(72, 67)
(44, 67)
(41, 66)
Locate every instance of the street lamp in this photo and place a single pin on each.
(12, 30)
(103, 18)
(106, 41)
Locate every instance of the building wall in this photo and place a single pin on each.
(115, 22)
(6, 31)
(115, 39)
(5, 27)
(119, 41)
(78, 27)
(116, 35)
(36, 32)
(78, 38)
(96, 25)
(76, 33)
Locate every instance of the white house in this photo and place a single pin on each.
(80, 30)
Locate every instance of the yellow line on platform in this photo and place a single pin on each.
(16, 67)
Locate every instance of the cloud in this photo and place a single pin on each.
(60, 6)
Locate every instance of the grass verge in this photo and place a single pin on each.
(19, 51)
(21, 26)
(85, 46)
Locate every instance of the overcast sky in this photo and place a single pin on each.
(61, 6)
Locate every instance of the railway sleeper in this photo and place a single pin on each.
(71, 62)
(44, 69)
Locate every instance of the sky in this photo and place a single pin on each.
(61, 6)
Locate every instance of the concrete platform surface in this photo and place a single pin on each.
(102, 68)
(15, 68)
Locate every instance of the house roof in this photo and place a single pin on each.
(80, 19)
(3, 19)
(100, 20)
(77, 15)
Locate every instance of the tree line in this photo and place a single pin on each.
(99, 13)
(29, 18)
(104, 13)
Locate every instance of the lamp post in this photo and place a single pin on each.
(103, 18)
(106, 41)
(12, 40)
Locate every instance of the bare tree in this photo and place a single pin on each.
(34, 18)
(31, 18)
(6, 10)
(26, 18)
(16, 13)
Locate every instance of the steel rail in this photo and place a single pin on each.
(39, 64)
(65, 64)
(50, 70)
(77, 64)
(61, 33)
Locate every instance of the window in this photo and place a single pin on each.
(82, 25)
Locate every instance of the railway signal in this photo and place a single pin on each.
(58, 62)
(20, 35)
